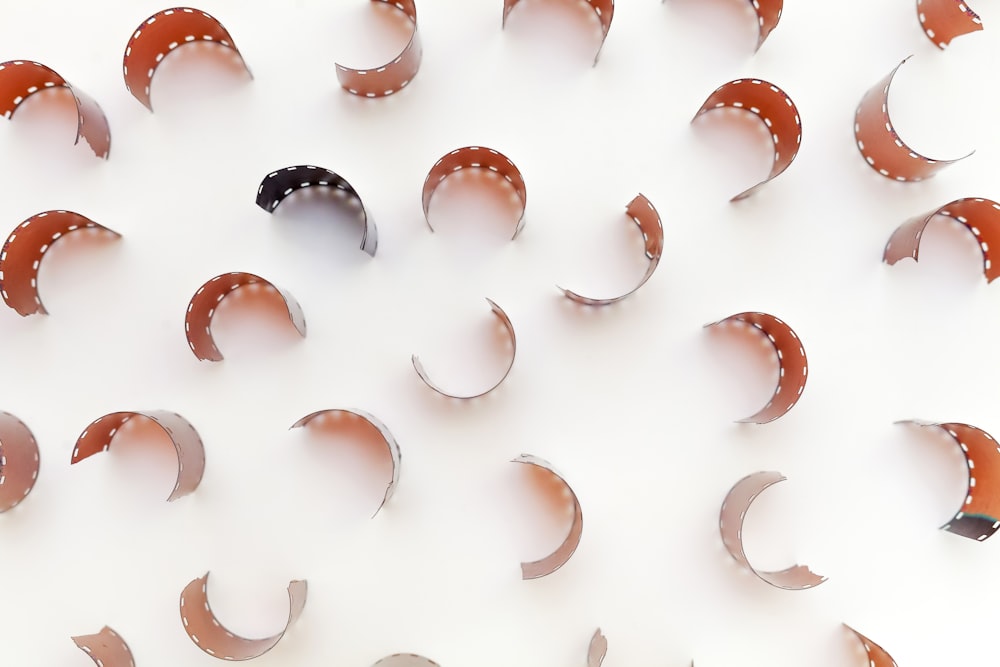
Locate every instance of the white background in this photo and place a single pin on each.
(635, 404)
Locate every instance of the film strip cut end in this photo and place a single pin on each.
(475, 157)
(597, 649)
(213, 638)
(281, 183)
(979, 516)
(775, 110)
(20, 79)
(23, 252)
(603, 9)
(944, 20)
(106, 648)
(505, 321)
(559, 557)
(329, 417)
(159, 35)
(205, 302)
(394, 75)
(793, 368)
(877, 656)
(734, 510)
(99, 435)
(18, 461)
(405, 660)
(979, 216)
(644, 215)
(879, 144)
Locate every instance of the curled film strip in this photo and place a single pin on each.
(329, 417)
(505, 321)
(604, 9)
(205, 302)
(877, 656)
(642, 212)
(405, 660)
(159, 35)
(99, 435)
(793, 369)
(944, 20)
(979, 516)
(23, 252)
(106, 648)
(20, 79)
(879, 144)
(18, 461)
(773, 107)
(768, 14)
(214, 639)
(980, 216)
(597, 649)
(559, 557)
(475, 157)
(281, 183)
(394, 75)
(734, 511)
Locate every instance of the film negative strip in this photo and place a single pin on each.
(734, 510)
(475, 157)
(159, 35)
(106, 648)
(604, 9)
(555, 560)
(980, 216)
(18, 461)
(329, 417)
(879, 144)
(877, 656)
(793, 369)
(213, 638)
(394, 75)
(944, 20)
(505, 321)
(773, 107)
(20, 79)
(23, 252)
(979, 516)
(279, 184)
(644, 215)
(204, 303)
(597, 649)
(99, 435)
(406, 660)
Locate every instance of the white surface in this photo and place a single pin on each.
(634, 404)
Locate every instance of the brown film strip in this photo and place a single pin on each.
(23, 252)
(18, 461)
(475, 157)
(159, 35)
(979, 516)
(202, 307)
(281, 183)
(597, 649)
(604, 9)
(405, 660)
(213, 638)
(505, 321)
(731, 517)
(980, 216)
(20, 79)
(944, 20)
(775, 110)
(644, 215)
(328, 417)
(555, 560)
(394, 75)
(99, 435)
(877, 656)
(879, 144)
(793, 368)
(106, 648)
